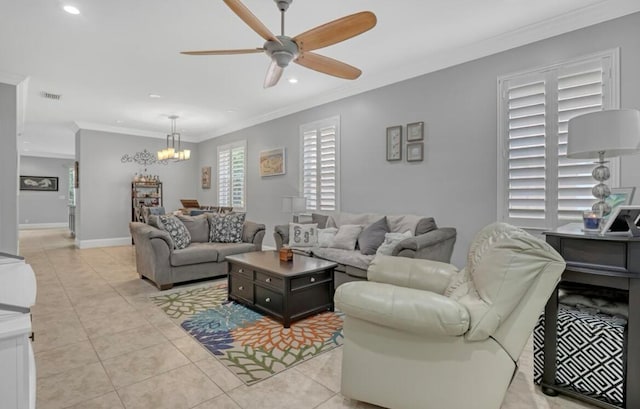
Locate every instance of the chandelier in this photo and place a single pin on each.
(174, 150)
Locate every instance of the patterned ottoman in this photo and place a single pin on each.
(590, 353)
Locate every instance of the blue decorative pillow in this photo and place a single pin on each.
(226, 228)
(177, 230)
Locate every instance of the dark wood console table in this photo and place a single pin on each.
(603, 261)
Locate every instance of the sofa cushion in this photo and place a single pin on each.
(303, 235)
(176, 229)
(372, 236)
(226, 228)
(346, 257)
(198, 227)
(363, 219)
(228, 249)
(415, 224)
(391, 240)
(194, 254)
(347, 237)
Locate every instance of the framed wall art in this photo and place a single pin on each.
(415, 152)
(272, 162)
(41, 183)
(415, 132)
(206, 177)
(620, 196)
(394, 143)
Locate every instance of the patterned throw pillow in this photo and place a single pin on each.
(303, 235)
(226, 228)
(176, 229)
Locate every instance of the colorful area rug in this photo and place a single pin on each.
(250, 344)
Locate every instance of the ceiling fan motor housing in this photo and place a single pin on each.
(283, 53)
(283, 5)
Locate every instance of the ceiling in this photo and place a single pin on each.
(106, 61)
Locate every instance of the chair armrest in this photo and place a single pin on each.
(419, 274)
(253, 233)
(434, 245)
(281, 235)
(405, 309)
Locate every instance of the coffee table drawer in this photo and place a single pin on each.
(240, 286)
(268, 299)
(310, 279)
(238, 269)
(273, 281)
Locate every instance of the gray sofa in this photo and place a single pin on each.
(429, 241)
(157, 260)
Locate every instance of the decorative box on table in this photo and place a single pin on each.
(590, 352)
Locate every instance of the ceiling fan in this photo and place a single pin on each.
(283, 49)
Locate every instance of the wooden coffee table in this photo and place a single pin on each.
(286, 290)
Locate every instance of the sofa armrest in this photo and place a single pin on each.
(281, 235)
(253, 233)
(405, 309)
(420, 274)
(153, 253)
(434, 245)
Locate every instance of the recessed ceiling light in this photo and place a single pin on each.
(119, 121)
(154, 96)
(231, 111)
(293, 80)
(71, 10)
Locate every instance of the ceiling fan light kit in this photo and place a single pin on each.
(283, 49)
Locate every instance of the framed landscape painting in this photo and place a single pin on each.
(272, 162)
(41, 183)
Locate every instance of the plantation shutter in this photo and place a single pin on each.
(320, 165)
(539, 187)
(526, 150)
(580, 91)
(232, 175)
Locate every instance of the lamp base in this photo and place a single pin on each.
(601, 191)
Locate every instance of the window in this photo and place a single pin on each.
(232, 166)
(320, 159)
(538, 186)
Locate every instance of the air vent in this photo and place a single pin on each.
(49, 95)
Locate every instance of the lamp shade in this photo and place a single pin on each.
(614, 132)
(292, 204)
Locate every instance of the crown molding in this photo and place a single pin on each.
(571, 21)
(94, 126)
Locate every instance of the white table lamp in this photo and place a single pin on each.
(600, 135)
(294, 205)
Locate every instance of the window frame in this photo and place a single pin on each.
(230, 146)
(333, 121)
(611, 100)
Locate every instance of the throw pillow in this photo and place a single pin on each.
(346, 237)
(226, 228)
(391, 240)
(325, 236)
(198, 227)
(319, 219)
(303, 235)
(176, 229)
(373, 236)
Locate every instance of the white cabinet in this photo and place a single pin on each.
(17, 364)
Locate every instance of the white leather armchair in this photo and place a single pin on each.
(421, 334)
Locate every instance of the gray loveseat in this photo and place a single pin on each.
(160, 262)
(428, 241)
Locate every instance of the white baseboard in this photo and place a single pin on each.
(89, 244)
(33, 226)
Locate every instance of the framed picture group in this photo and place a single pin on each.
(414, 143)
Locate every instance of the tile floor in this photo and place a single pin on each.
(100, 344)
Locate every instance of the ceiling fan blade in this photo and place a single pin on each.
(274, 72)
(336, 31)
(251, 20)
(328, 65)
(224, 52)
